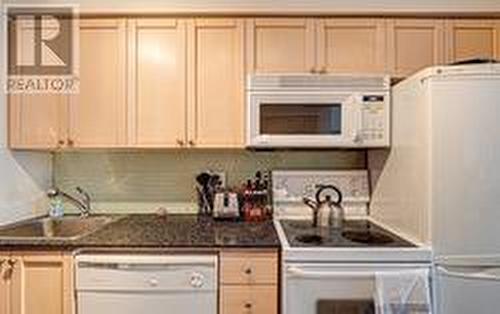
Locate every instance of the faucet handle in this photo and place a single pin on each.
(87, 198)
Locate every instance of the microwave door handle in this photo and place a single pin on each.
(355, 116)
(299, 273)
(476, 275)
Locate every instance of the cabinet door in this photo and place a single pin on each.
(4, 285)
(467, 39)
(248, 268)
(280, 45)
(249, 299)
(351, 45)
(414, 45)
(157, 87)
(216, 83)
(37, 121)
(98, 114)
(38, 284)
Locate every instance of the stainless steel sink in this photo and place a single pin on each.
(68, 227)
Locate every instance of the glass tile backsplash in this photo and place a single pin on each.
(168, 176)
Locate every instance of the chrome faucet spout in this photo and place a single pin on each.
(83, 203)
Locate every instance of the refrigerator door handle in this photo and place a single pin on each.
(474, 273)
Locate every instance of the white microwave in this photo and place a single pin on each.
(317, 111)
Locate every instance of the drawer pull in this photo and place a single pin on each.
(248, 271)
(248, 305)
(153, 282)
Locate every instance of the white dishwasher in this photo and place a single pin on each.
(152, 284)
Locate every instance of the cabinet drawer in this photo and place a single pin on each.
(249, 299)
(249, 268)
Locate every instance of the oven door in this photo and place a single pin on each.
(301, 120)
(332, 288)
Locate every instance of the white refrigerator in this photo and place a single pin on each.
(440, 181)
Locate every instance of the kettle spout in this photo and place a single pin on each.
(315, 208)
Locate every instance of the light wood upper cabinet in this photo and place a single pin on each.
(157, 86)
(351, 45)
(216, 76)
(180, 82)
(37, 121)
(414, 44)
(98, 115)
(468, 39)
(280, 45)
(39, 283)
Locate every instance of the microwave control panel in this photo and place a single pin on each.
(374, 117)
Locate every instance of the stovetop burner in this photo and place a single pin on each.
(354, 233)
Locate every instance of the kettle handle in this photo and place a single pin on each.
(322, 187)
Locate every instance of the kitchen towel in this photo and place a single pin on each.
(403, 292)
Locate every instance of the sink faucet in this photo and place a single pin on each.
(82, 202)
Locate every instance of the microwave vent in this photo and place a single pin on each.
(343, 82)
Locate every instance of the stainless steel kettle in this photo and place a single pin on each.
(326, 212)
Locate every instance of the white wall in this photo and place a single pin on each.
(24, 177)
(282, 6)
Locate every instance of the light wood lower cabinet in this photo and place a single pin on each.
(249, 268)
(4, 286)
(256, 299)
(248, 282)
(36, 283)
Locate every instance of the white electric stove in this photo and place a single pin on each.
(331, 270)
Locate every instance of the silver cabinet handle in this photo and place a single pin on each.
(478, 275)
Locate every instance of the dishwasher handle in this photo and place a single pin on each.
(145, 262)
(135, 266)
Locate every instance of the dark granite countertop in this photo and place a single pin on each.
(153, 231)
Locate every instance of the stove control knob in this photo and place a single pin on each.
(196, 280)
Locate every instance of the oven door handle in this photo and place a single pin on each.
(300, 273)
